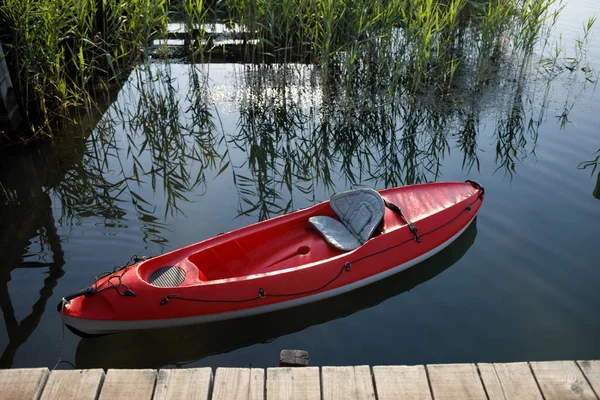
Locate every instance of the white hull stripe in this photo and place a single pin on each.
(96, 327)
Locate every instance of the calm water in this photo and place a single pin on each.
(187, 151)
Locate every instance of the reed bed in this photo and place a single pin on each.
(65, 54)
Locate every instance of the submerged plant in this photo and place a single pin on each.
(556, 60)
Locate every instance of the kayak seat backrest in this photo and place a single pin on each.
(360, 211)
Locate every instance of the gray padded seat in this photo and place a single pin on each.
(335, 233)
(360, 212)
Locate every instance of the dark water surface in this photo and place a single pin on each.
(188, 151)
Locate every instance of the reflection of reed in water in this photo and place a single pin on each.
(26, 217)
(302, 128)
(179, 143)
(382, 110)
(593, 165)
(161, 347)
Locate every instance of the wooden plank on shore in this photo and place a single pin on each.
(293, 383)
(73, 384)
(509, 381)
(401, 382)
(455, 381)
(135, 384)
(239, 383)
(22, 384)
(591, 370)
(347, 383)
(182, 384)
(561, 380)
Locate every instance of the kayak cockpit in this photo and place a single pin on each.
(273, 249)
(232, 260)
(358, 217)
(348, 221)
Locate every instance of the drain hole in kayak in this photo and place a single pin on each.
(303, 250)
(167, 277)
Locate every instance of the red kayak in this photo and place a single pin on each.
(356, 238)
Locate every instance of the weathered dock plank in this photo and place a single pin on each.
(347, 383)
(591, 370)
(136, 384)
(561, 380)
(73, 384)
(183, 384)
(239, 383)
(509, 381)
(529, 381)
(455, 381)
(22, 384)
(401, 382)
(293, 383)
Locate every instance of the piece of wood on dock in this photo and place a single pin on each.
(293, 358)
(22, 384)
(347, 383)
(135, 384)
(591, 370)
(402, 382)
(509, 381)
(293, 383)
(561, 380)
(182, 384)
(455, 381)
(73, 385)
(239, 383)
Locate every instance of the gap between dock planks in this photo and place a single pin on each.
(546, 380)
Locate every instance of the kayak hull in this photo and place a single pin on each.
(101, 327)
(281, 279)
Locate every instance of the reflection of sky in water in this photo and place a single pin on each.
(228, 88)
(574, 16)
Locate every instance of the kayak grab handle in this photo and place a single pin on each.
(477, 186)
(88, 291)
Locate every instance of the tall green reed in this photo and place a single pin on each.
(63, 54)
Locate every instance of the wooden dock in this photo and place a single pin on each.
(525, 380)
